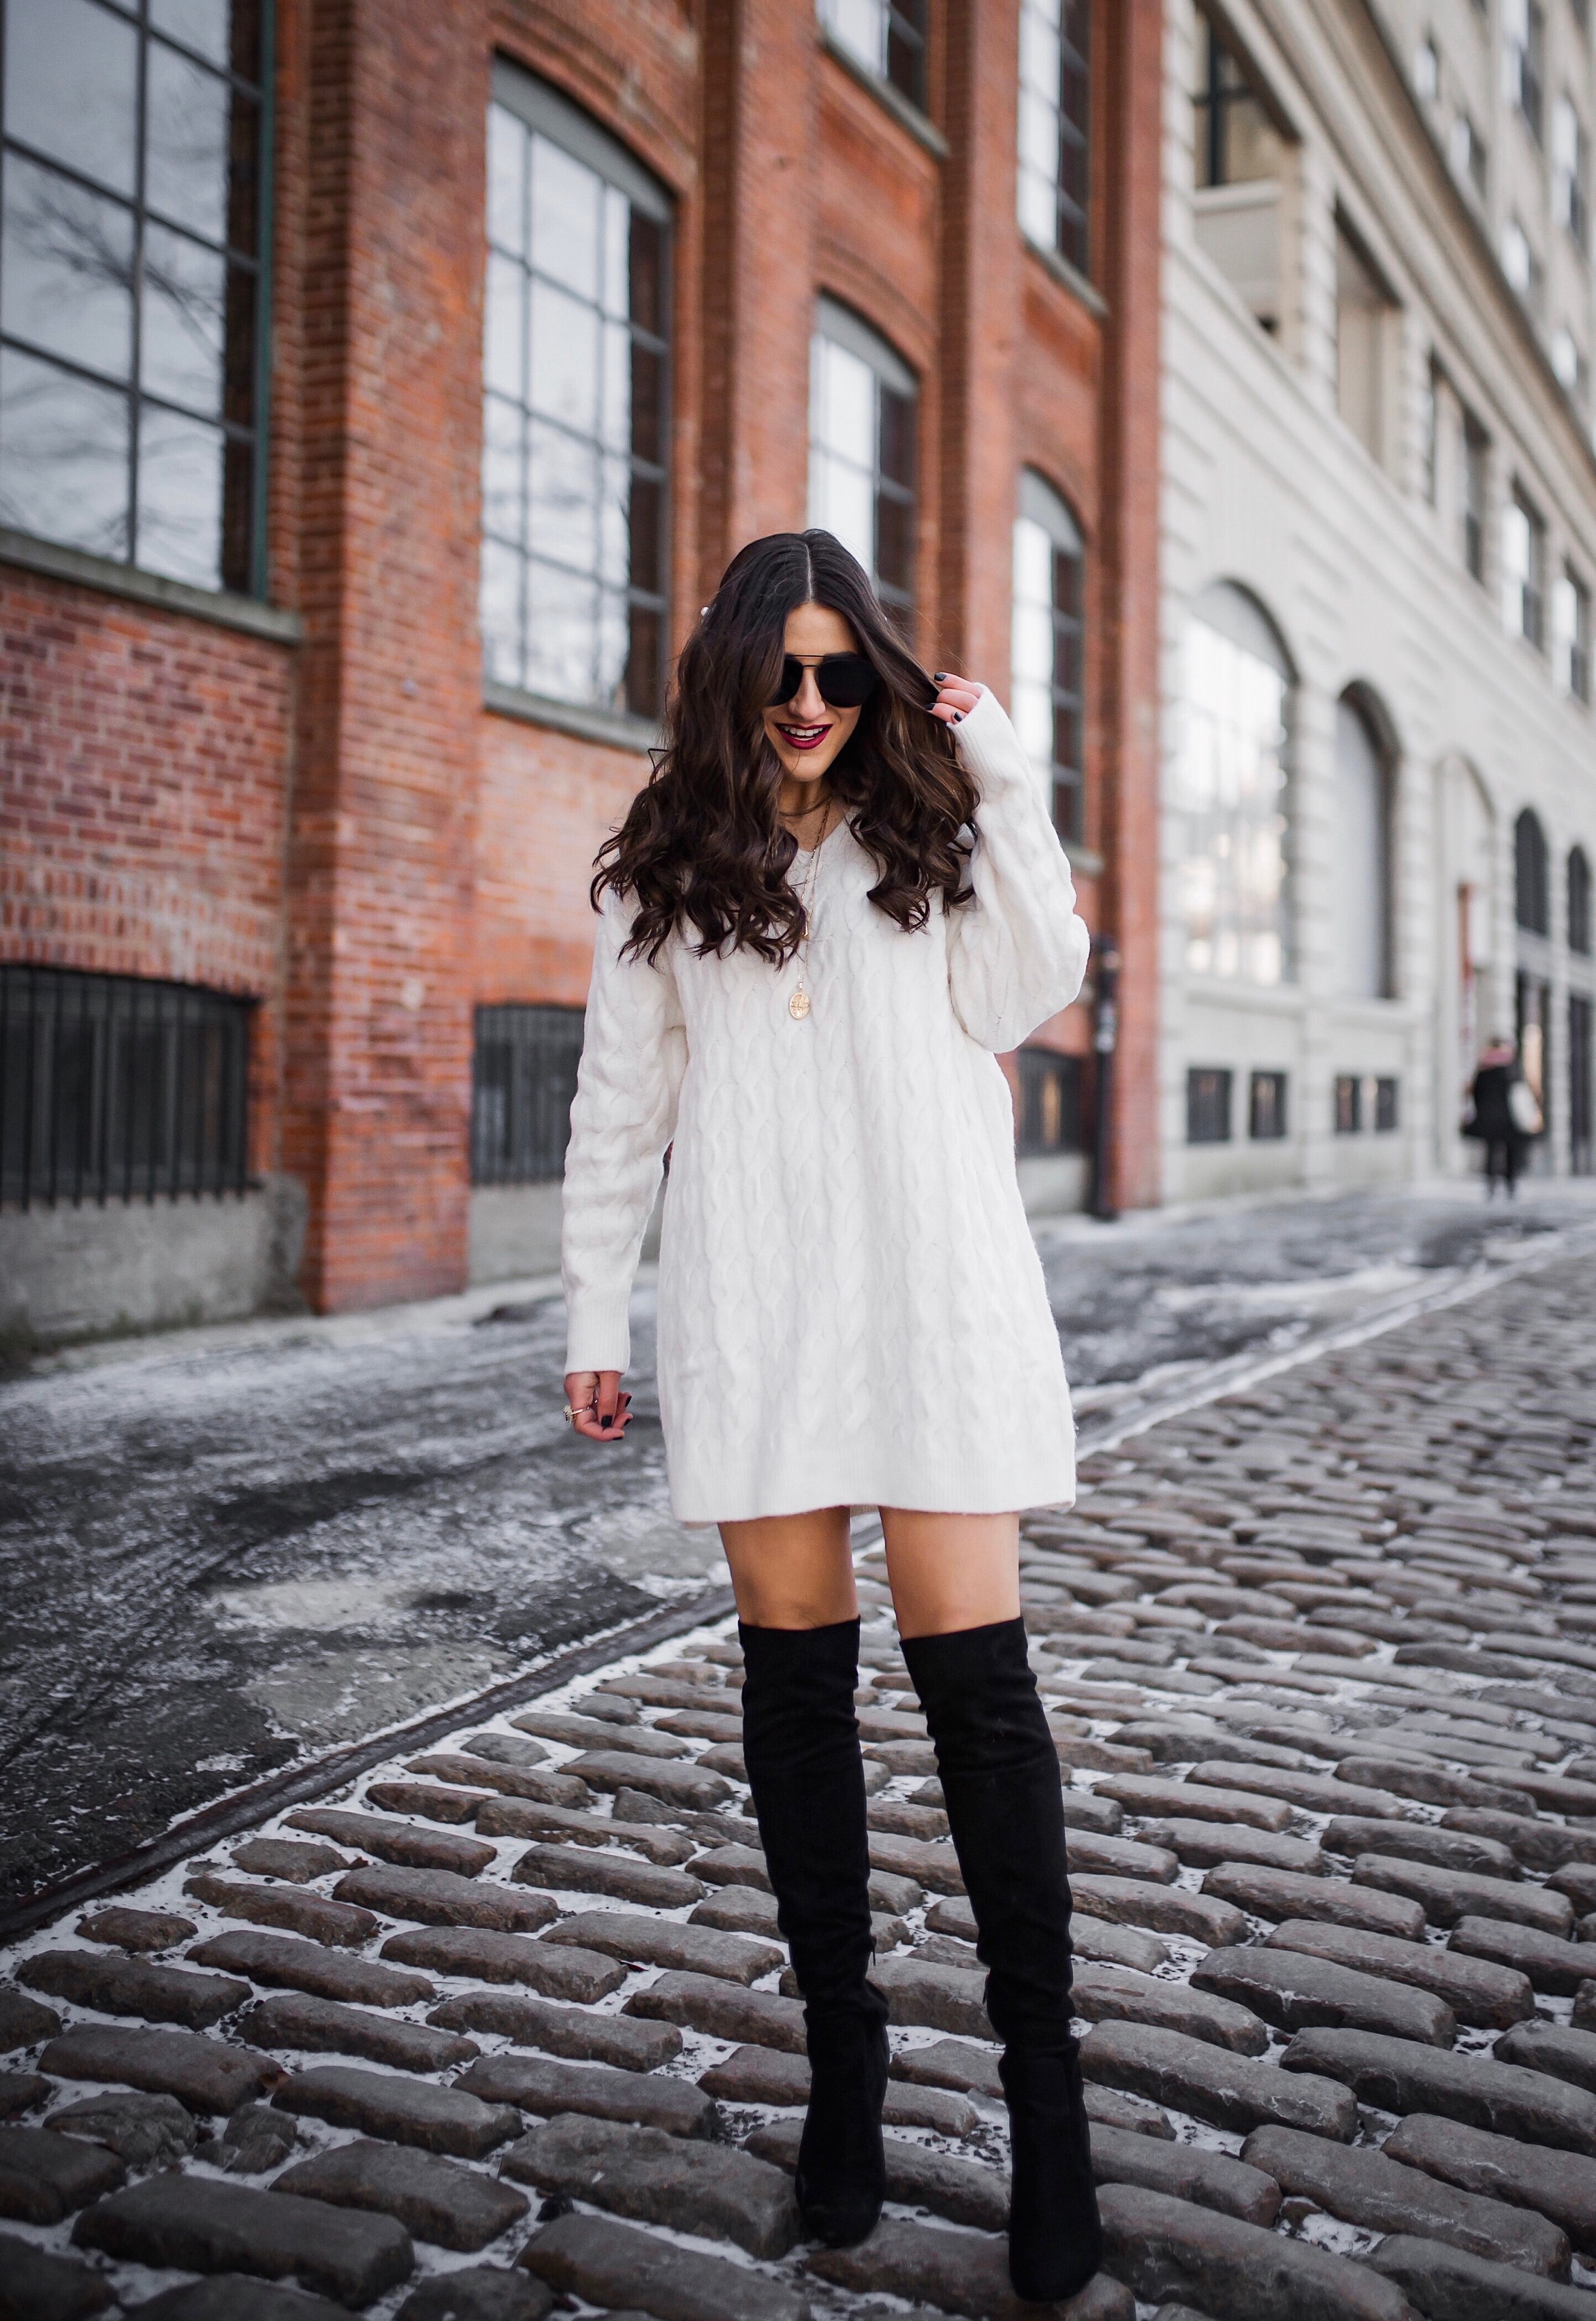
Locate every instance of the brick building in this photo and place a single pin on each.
(382, 390)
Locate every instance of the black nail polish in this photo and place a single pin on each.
(940, 674)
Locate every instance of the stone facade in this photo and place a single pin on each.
(1369, 454)
(314, 802)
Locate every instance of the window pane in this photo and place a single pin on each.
(563, 496)
(67, 270)
(1230, 807)
(897, 437)
(507, 146)
(63, 457)
(647, 403)
(503, 327)
(843, 501)
(561, 634)
(642, 667)
(616, 297)
(616, 427)
(565, 196)
(614, 642)
(1039, 135)
(179, 498)
(614, 551)
(185, 294)
(187, 143)
(564, 357)
(200, 24)
(500, 612)
(502, 486)
(647, 274)
(847, 417)
(860, 26)
(1033, 556)
(1033, 645)
(1038, 207)
(71, 87)
(895, 541)
(647, 534)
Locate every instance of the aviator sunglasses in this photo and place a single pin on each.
(845, 681)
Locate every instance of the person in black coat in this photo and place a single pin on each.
(1491, 1115)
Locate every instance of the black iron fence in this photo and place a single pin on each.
(523, 1075)
(114, 1087)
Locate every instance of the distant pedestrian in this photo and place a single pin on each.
(1503, 1115)
(839, 897)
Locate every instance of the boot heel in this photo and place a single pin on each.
(841, 2178)
(1054, 2236)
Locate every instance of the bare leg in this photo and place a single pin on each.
(791, 1571)
(951, 1573)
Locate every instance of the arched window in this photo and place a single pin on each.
(1045, 649)
(1363, 855)
(575, 409)
(861, 450)
(1231, 793)
(1579, 901)
(1531, 882)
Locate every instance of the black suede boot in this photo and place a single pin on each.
(1001, 1781)
(800, 1744)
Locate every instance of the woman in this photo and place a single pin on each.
(1497, 1116)
(838, 897)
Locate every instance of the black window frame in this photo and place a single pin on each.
(528, 1053)
(1347, 1104)
(1038, 1071)
(1532, 880)
(1071, 105)
(119, 1087)
(1267, 1109)
(1210, 1100)
(543, 111)
(1226, 87)
(244, 384)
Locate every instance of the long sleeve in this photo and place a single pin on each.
(1018, 953)
(634, 1051)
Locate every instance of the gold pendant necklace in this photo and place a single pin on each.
(798, 1003)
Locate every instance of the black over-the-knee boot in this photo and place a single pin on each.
(801, 1743)
(999, 1779)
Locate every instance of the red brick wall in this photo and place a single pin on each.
(381, 860)
(142, 809)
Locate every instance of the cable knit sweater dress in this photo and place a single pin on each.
(851, 1307)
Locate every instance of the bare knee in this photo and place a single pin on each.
(951, 1571)
(793, 1572)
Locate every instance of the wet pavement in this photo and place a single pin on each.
(228, 1551)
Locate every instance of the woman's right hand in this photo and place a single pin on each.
(598, 1408)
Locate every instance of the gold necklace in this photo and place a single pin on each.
(799, 1003)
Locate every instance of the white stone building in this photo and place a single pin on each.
(1379, 549)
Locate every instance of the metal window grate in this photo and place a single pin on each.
(523, 1076)
(1265, 1109)
(1050, 1110)
(1208, 1105)
(112, 1088)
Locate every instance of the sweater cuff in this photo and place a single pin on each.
(598, 1330)
(990, 747)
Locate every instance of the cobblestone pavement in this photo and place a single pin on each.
(506, 2022)
(229, 1551)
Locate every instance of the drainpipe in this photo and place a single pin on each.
(1105, 1039)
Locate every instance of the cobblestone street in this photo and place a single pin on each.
(229, 1551)
(505, 2021)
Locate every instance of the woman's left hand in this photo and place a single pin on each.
(956, 697)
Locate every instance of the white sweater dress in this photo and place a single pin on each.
(851, 1309)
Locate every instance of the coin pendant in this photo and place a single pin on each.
(798, 1006)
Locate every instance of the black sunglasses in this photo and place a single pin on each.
(845, 681)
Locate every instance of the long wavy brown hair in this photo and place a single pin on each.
(704, 844)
